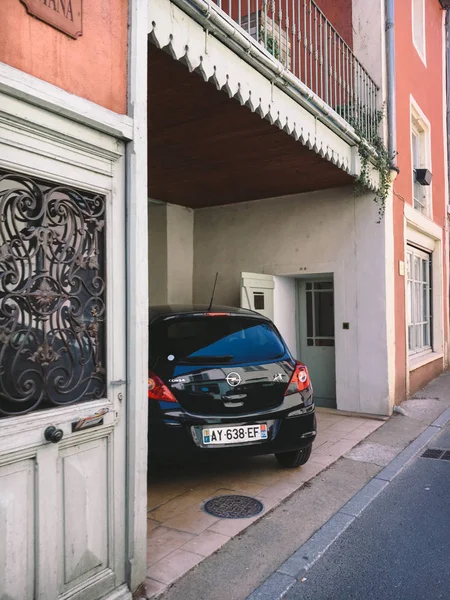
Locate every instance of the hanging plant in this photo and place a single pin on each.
(366, 124)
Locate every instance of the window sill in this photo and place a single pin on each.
(415, 362)
(422, 223)
(424, 213)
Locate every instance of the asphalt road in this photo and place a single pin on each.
(398, 549)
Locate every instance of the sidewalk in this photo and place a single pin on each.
(245, 562)
(180, 533)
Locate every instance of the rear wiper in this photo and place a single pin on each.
(204, 360)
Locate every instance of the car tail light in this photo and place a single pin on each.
(216, 314)
(158, 390)
(299, 380)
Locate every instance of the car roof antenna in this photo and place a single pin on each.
(213, 292)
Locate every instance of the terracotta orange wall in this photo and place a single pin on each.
(425, 84)
(340, 16)
(420, 377)
(94, 66)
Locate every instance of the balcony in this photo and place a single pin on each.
(298, 35)
(251, 100)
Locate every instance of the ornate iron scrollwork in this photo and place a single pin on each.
(52, 295)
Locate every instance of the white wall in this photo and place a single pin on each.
(368, 36)
(180, 254)
(373, 300)
(157, 253)
(171, 253)
(320, 232)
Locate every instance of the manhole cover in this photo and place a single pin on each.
(233, 507)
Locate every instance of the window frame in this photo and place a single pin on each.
(419, 37)
(420, 159)
(415, 293)
(312, 291)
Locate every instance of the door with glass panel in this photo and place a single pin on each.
(62, 385)
(418, 276)
(316, 337)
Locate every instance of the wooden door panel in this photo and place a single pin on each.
(86, 510)
(17, 525)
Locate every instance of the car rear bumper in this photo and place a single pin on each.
(169, 438)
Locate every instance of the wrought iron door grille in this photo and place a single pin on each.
(52, 295)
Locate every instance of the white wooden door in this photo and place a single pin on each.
(62, 363)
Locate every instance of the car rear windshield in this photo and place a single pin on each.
(202, 339)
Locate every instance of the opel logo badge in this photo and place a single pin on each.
(233, 379)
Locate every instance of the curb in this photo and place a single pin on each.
(295, 567)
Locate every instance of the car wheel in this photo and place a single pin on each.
(296, 458)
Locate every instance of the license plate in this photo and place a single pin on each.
(235, 435)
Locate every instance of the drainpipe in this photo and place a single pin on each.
(447, 61)
(447, 219)
(391, 87)
(391, 109)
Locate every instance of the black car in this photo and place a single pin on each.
(222, 380)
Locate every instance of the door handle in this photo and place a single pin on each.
(53, 435)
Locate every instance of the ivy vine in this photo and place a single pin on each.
(366, 124)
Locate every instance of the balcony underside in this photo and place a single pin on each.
(229, 123)
(207, 149)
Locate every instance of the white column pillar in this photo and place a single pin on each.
(137, 297)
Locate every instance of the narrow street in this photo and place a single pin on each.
(396, 545)
(399, 548)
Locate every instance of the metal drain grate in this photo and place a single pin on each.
(233, 507)
(432, 453)
(446, 455)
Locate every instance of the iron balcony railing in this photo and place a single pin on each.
(297, 33)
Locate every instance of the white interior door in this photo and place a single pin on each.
(257, 292)
(285, 310)
(62, 370)
(316, 338)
